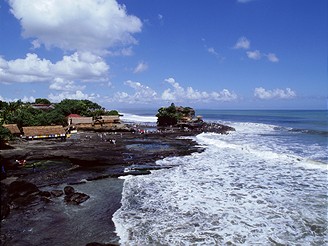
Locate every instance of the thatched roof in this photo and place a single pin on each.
(80, 120)
(44, 131)
(13, 128)
(74, 116)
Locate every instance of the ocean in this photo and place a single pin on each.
(263, 184)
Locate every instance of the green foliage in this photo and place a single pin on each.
(25, 115)
(167, 116)
(42, 101)
(112, 112)
(5, 134)
(81, 107)
(171, 115)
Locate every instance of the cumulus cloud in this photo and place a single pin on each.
(88, 25)
(65, 85)
(82, 66)
(179, 93)
(142, 94)
(79, 95)
(141, 67)
(255, 55)
(262, 93)
(24, 99)
(242, 43)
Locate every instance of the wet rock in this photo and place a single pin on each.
(21, 189)
(57, 193)
(23, 201)
(45, 193)
(101, 244)
(76, 198)
(5, 210)
(69, 190)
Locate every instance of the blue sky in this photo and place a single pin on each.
(221, 54)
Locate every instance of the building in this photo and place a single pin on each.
(107, 120)
(43, 132)
(44, 107)
(13, 128)
(104, 121)
(75, 119)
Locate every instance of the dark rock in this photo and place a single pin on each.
(24, 200)
(21, 189)
(5, 210)
(69, 190)
(76, 199)
(101, 244)
(57, 193)
(45, 193)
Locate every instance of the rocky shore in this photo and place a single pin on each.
(49, 187)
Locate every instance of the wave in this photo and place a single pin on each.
(133, 118)
(225, 195)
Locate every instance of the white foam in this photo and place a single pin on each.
(243, 189)
(138, 118)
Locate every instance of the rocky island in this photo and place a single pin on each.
(43, 180)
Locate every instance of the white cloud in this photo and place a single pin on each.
(88, 25)
(79, 95)
(262, 93)
(242, 43)
(141, 67)
(178, 93)
(142, 94)
(255, 55)
(24, 99)
(212, 51)
(145, 94)
(82, 66)
(272, 57)
(64, 85)
(28, 99)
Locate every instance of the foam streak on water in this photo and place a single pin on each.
(129, 118)
(240, 190)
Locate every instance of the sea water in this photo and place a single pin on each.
(263, 184)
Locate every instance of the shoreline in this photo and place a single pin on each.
(84, 160)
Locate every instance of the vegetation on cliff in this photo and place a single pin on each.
(172, 115)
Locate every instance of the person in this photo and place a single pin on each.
(20, 163)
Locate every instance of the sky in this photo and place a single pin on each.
(209, 54)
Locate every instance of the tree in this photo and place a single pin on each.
(42, 101)
(167, 116)
(171, 115)
(5, 135)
